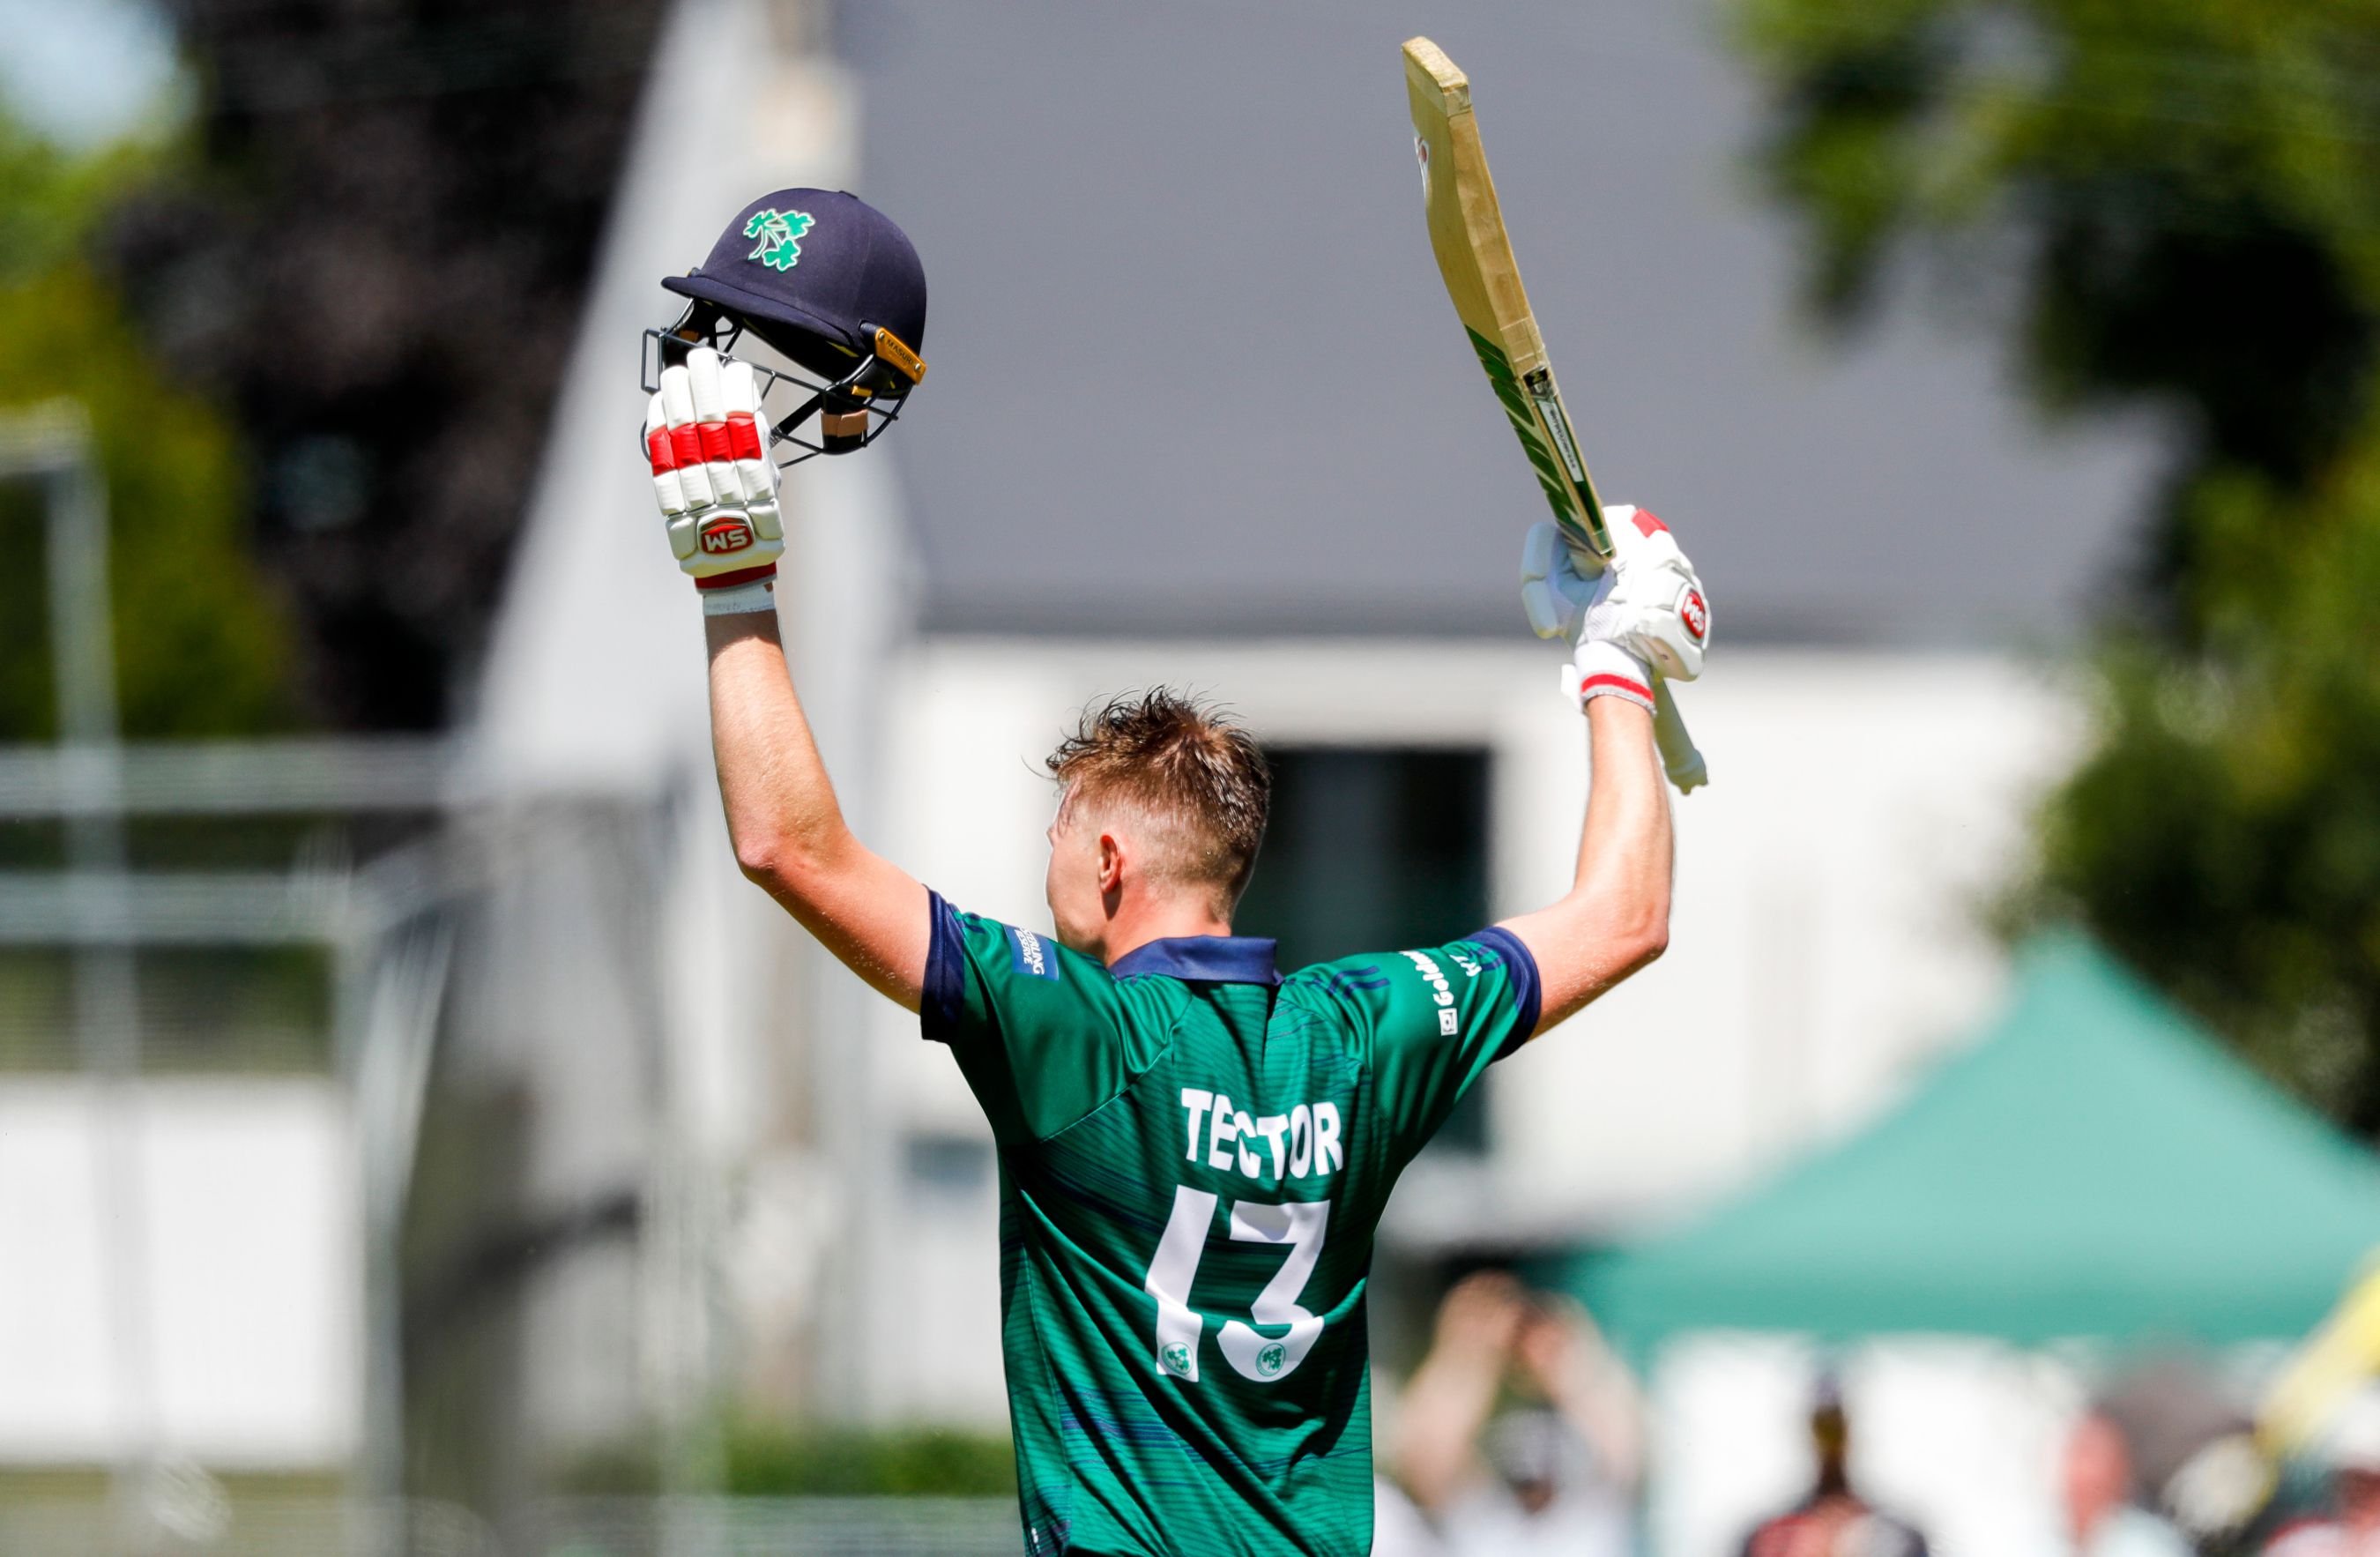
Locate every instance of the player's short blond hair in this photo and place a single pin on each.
(1185, 770)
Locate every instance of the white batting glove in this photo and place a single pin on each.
(715, 480)
(1644, 614)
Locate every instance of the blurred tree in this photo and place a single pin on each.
(2187, 193)
(380, 263)
(201, 642)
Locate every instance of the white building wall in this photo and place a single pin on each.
(243, 1292)
(1828, 936)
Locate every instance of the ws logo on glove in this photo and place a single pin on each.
(720, 537)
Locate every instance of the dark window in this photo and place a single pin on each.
(1374, 849)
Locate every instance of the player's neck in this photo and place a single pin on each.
(1134, 925)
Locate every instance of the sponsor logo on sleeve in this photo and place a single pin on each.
(1032, 955)
(1449, 1019)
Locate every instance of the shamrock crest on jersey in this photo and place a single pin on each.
(780, 233)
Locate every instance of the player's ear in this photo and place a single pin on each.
(1111, 854)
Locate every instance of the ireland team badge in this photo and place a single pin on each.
(780, 233)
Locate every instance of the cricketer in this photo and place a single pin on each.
(1194, 1146)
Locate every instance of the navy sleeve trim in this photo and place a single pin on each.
(944, 996)
(1528, 993)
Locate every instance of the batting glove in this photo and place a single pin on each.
(716, 483)
(1643, 613)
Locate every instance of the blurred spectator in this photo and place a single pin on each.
(1555, 1471)
(2102, 1519)
(2352, 1528)
(1833, 1521)
(2194, 1454)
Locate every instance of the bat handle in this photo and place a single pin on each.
(1685, 765)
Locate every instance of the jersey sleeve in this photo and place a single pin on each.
(1438, 1018)
(1043, 1035)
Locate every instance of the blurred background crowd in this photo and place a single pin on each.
(414, 1137)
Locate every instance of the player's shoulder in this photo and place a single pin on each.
(1030, 961)
(1428, 968)
(1017, 949)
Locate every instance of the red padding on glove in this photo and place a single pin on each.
(688, 444)
(741, 575)
(1648, 524)
(744, 435)
(714, 439)
(1617, 684)
(658, 450)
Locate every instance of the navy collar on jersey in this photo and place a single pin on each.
(1211, 959)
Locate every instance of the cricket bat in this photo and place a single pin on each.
(1466, 230)
(2338, 1358)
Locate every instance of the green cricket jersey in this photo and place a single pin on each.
(1193, 1154)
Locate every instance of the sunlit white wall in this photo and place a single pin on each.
(240, 1300)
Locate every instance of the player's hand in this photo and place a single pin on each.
(1649, 598)
(716, 483)
(1656, 605)
(1643, 615)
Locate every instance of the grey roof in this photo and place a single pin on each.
(1192, 371)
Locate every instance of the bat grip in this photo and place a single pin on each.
(1684, 764)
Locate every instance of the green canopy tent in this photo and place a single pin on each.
(2093, 1166)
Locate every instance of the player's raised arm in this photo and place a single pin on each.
(1647, 608)
(718, 493)
(789, 832)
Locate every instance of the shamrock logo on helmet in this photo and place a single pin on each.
(780, 233)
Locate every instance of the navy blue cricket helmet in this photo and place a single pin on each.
(832, 285)
(799, 266)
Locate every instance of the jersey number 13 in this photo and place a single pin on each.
(1251, 1353)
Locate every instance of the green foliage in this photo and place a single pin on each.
(2188, 193)
(758, 1459)
(202, 646)
(49, 199)
(2224, 833)
(2188, 187)
(912, 1462)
